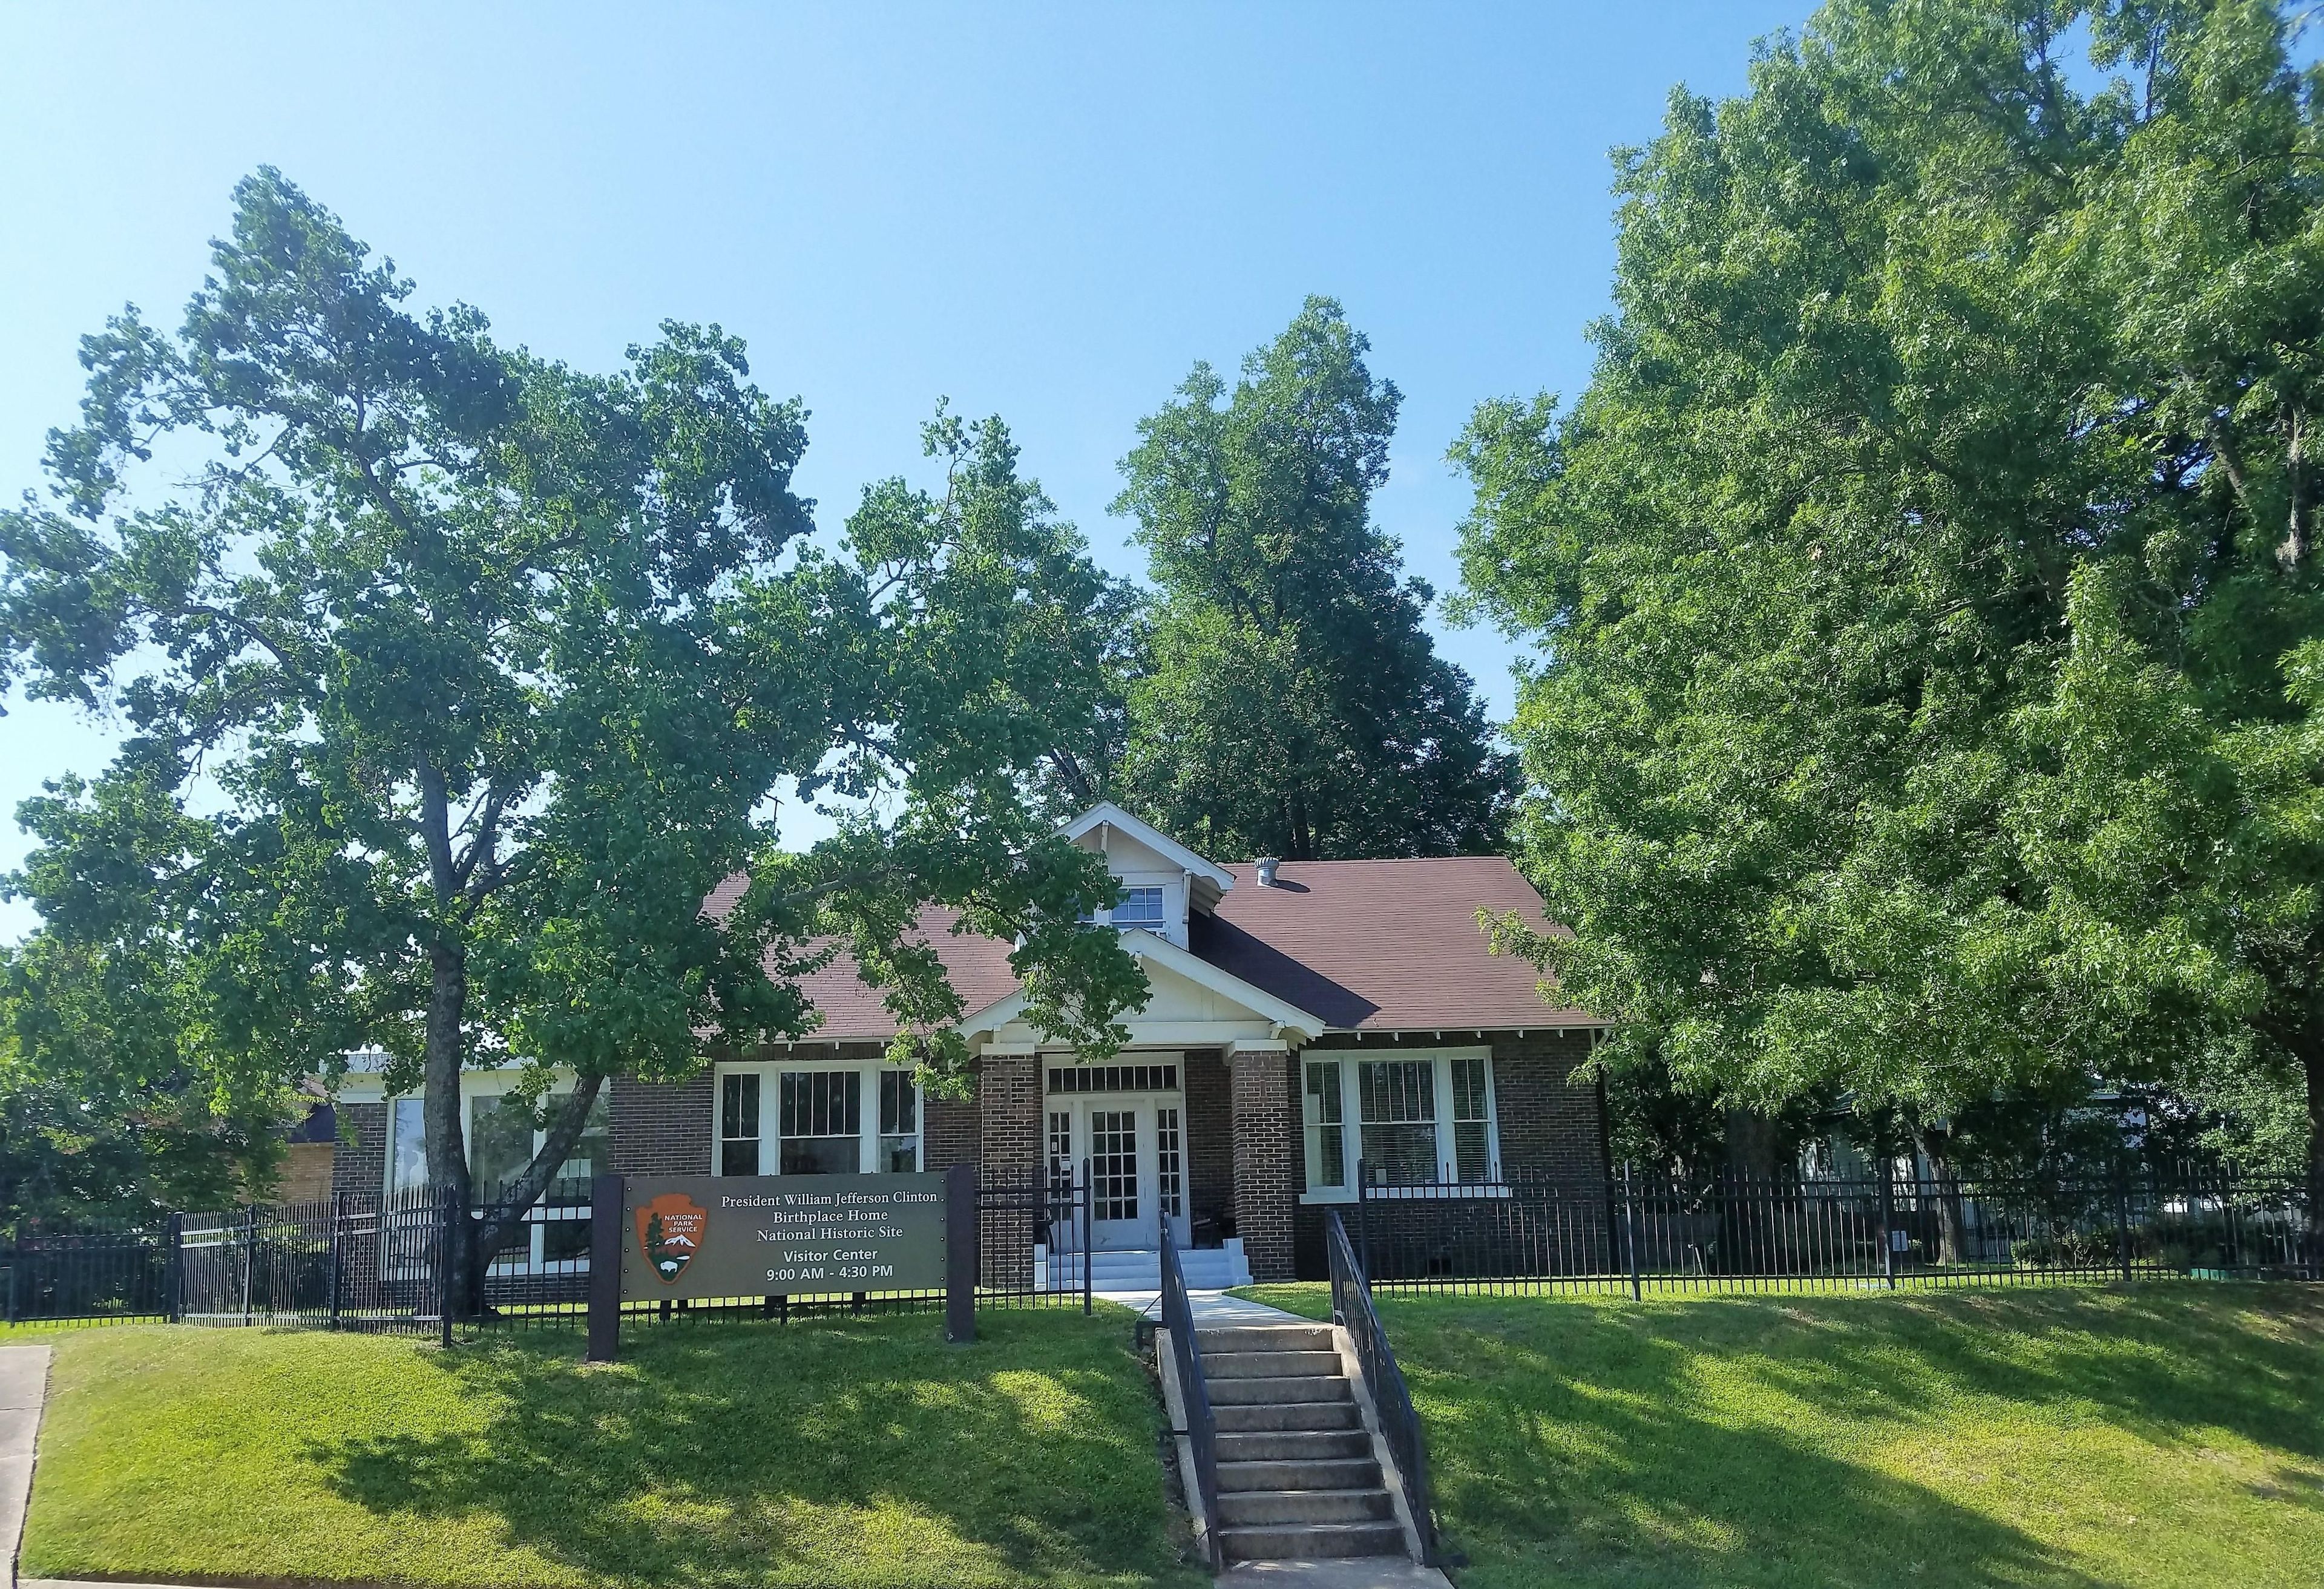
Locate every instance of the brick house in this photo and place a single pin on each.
(1304, 1017)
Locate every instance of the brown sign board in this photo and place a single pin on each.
(771, 1235)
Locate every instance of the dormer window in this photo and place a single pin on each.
(1140, 907)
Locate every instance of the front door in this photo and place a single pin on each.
(1134, 1146)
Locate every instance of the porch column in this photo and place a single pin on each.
(1009, 1111)
(1265, 1181)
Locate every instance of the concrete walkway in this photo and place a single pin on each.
(1361, 1571)
(23, 1382)
(1207, 1306)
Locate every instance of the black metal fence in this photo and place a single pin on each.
(1735, 1233)
(380, 1264)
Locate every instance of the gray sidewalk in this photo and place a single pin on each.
(23, 1381)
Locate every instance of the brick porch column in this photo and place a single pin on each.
(1009, 1148)
(1266, 1185)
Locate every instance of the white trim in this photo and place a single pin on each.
(1284, 1017)
(1440, 1061)
(1106, 814)
(868, 1135)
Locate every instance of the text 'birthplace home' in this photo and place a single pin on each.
(1304, 1017)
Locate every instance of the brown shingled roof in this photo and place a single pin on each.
(1382, 945)
(1376, 945)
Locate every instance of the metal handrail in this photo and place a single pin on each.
(1351, 1310)
(1194, 1392)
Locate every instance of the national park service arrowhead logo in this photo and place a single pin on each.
(670, 1231)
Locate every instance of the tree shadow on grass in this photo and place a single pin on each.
(834, 1452)
(1570, 1445)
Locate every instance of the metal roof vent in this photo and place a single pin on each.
(1267, 865)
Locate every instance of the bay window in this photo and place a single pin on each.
(1402, 1119)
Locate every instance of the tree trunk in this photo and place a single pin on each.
(501, 1223)
(1952, 1221)
(447, 1148)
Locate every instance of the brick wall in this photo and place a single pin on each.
(950, 1133)
(359, 1161)
(1008, 1145)
(1265, 1179)
(663, 1127)
(1209, 1138)
(1551, 1126)
(308, 1169)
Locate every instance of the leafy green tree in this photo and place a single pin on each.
(487, 673)
(1926, 584)
(1289, 701)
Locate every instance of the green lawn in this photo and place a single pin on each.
(2138, 1437)
(834, 1453)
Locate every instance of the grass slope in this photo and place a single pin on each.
(843, 1453)
(2139, 1438)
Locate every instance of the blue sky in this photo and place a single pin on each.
(1046, 213)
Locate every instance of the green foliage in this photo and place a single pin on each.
(485, 674)
(1926, 585)
(1289, 701)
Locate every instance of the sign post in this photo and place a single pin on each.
(605, 1222)
(959, 1254)
(667, 1237)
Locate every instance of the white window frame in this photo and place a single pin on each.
(770, 1142)
(1351, 1121)
(531, 1258)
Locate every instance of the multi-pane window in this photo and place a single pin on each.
(1061, 1147)
(1396, 1102)
(822, 1125)
(1170, 1175)
(1324, 1112)
(1412, 1119)
(1140, 907)
(899, 1124)
(1472, 1118)
(738, 1124)
(1113, 1163)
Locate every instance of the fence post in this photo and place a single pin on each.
(173, 1267)
(338, 1249)
(1630, 1229)
(1888, 1221)
(1086, 1211)
(606, 1211)
(2122, 1219)
(249, 1256)
(961, 1216)
(446, 1212)
(1364, 1217)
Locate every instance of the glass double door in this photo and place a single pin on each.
(1134, 1146)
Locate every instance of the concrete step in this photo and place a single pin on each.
(1259, 1392)
(1264, 1337)
(1335, 1472)
(1253, 1365)
(1253, 1509)
(1311, 1541)
(1293, 1445)
(1284, 1416)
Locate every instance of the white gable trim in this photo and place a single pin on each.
(1106, 814)
(1287, 1018)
